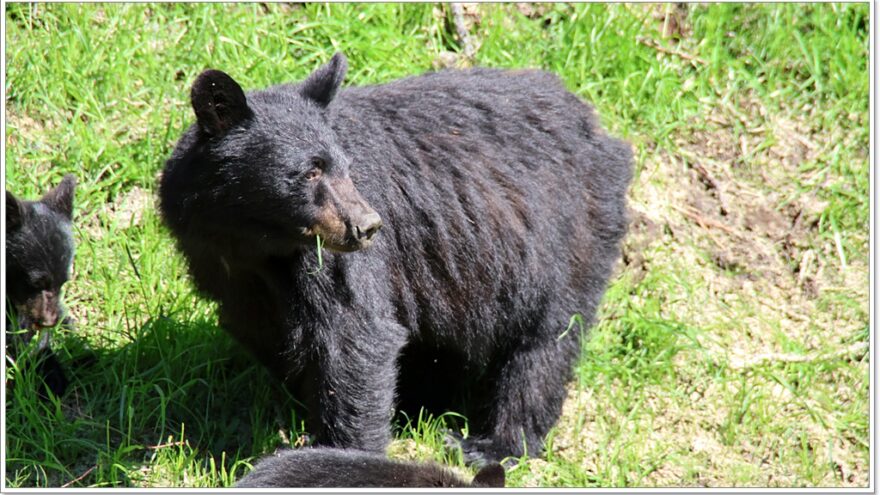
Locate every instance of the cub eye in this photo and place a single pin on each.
(40, 281)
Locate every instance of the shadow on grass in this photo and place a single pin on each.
(181, 389)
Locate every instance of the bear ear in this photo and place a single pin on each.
(219, 102)
(60, 199)
(490, 476)
(321, 85)
(14, 212)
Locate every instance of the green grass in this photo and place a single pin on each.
(776, 110)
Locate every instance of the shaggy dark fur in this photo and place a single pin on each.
(503, 207)
(338, 468)
(39, 254)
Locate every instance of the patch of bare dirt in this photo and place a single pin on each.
(410, 450)
(643, 233)
(19, 123)
(125, 211)
(462, 21)
(533, 10)
(22, 132)
(671, 19)
(730, 211)
(737, 199)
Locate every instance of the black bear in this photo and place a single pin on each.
(501, 203)
(338, 468)
(39, 254)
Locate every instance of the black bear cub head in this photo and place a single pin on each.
(264, 170)
(39, 253)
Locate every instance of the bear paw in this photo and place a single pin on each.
(478, 452)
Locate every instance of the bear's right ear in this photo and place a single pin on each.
(491, 476)
(14, 212)
(321, 86)
(60, 198)
(219, 102)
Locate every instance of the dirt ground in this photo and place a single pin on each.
(727, 207)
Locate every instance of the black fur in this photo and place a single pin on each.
(503, 205)
(39, 254)
(338, 468)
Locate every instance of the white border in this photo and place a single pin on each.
(3, 252)
(873, 353)
(872, 254)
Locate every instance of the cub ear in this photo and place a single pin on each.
(60, 199)
(14, 212)
(490, 476)
(219, 102)
(321, 85)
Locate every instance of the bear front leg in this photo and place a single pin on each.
(354, 379)
(526, 401)
(51, 372)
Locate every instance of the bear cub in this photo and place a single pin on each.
(338, 468)
(39, 255)
(462, 217)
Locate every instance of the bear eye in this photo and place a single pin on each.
(40, 281)
(317, 169)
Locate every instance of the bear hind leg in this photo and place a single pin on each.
(527, 394)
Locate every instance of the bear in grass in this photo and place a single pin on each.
(341, 468)
(501, 204)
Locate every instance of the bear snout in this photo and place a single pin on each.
(43, 310)
(367, 227)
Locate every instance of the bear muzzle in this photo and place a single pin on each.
(346, 222)
(42, 310)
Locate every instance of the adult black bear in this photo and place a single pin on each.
(503, 204)
(339, 468)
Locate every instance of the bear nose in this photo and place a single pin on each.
(368, 226)
(49, 320)
(49, 317)
(49, 309)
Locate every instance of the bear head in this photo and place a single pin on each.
(264, 170)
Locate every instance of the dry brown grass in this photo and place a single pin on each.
(727, 213)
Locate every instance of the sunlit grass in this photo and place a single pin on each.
(101, 91)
